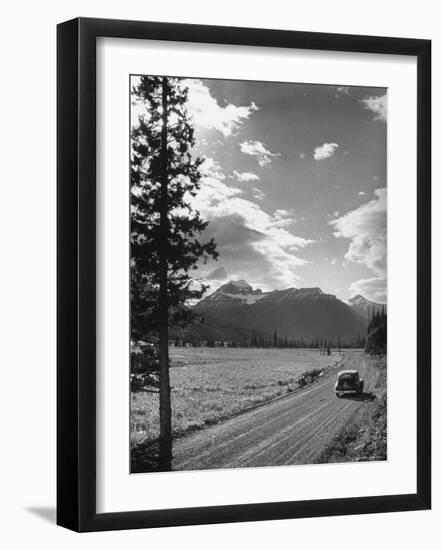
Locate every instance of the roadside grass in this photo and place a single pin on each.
(212, 384)
(365, 436)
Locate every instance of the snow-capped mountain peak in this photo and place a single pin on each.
(240, 286)
(358, 299)
(241, 293)
(234, 292)
(363, 305)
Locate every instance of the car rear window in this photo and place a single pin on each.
(347, 377)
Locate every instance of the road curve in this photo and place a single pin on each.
(291, 430)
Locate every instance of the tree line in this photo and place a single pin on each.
(258, 340)
(377, 332)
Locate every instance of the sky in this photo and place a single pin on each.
(294, 184)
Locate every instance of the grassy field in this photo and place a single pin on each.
(210, 384)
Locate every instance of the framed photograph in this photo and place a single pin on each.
(243, 274)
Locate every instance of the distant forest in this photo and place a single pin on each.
(377, 333)
(374, 342)
(258, 340)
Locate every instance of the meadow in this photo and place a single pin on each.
(211, 384)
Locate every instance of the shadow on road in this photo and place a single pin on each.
(364, 396)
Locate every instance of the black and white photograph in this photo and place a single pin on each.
(225, 239)
(258, 274)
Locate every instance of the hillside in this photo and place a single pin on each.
(365, 307)
(209, 327)
(296, 313)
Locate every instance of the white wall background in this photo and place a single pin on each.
(27, 289)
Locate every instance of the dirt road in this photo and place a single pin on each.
(291, 430)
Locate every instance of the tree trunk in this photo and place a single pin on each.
(165, 452)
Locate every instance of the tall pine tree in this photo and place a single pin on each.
(165, 228)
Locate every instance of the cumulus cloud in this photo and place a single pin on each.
(325, 151)
(376, 104)
(211, 167)
(218, 274)
(252, 244)
(245, 176)
(366, 228)
(362, 193)
(284, 217)
(283, 213)
(302, 155)
(208, 113)
(258, 194)
(204, 109)
(213, 189)
(258, 150)
(374, 288)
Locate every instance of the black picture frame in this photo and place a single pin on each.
(76, 274)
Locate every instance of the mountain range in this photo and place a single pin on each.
(236, 310)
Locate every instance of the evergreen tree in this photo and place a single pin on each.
(165, 228)
(376, 341)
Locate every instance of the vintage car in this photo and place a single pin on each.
(348, 382)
